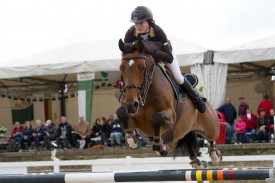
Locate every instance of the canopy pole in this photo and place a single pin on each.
(62, 100)
(209, 57)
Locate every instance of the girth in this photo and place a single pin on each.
(168, 136)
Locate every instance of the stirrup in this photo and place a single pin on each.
(203, 99)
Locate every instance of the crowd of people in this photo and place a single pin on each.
(45, 136)
(245, 126)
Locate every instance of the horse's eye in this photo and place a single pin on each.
(141, 68)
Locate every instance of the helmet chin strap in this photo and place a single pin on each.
(144, 36)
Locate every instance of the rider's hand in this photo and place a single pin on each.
(152, 51)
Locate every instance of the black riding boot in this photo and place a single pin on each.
(199, 102)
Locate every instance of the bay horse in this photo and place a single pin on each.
(149, 106)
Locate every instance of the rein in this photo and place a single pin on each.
(143, 89)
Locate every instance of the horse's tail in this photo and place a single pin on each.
(187, 145)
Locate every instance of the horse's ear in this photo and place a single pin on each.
(121, 45)
(140, 45)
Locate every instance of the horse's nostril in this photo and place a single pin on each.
(136, 104)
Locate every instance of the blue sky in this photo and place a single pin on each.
(33, 26)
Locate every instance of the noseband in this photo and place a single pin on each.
(143, 89)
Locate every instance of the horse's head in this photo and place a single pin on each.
(136, 72)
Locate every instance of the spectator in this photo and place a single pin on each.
(266, 105)
(94, 132)
(50, 133)
(82, 132)
(110, 118)
(16, 136)
(242, 107)
(38, 133)
(100, 129)
(250, 120)
(271, 120)
(240, 130)
(16, 132)
(116, 131)
(230, 113)
(64, 133)
(263, 126)
(27, 136)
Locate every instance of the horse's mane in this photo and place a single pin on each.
(147, 46)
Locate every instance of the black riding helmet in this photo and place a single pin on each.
(141, 13)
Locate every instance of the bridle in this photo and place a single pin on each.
(143, 89)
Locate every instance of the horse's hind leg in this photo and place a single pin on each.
(190, 141)
(214, 154)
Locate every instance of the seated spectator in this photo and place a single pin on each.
(16, 136)
(266, 105)
(230, 114)
(50, 134)
(94, 133)
(82, 132)
(240, 130)
(38, 133)
(242, 107)
(250, 120)
(110, 119)
(116, 131)
(271, 121)
(64, 133)
(100, 129)
(263, 126)
(27, 136)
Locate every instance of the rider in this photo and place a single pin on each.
(145, 28)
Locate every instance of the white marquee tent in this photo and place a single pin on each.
(251, 62)
(237, 60)
(103, 55)
(258, 50)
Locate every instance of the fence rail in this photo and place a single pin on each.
(145, 176)
(129, 162)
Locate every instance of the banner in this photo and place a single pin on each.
(22, 114)
(85, 94)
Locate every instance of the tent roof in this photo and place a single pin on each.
(258, 50)
(97, 55)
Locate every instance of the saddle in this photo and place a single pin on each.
(179, 93)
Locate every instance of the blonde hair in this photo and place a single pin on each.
(38, 122)
(48, 122)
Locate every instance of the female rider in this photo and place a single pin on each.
(145, 28)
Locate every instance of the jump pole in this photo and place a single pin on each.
(144, 176)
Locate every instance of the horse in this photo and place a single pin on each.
(149, 106)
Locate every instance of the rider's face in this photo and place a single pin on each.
(142, 27)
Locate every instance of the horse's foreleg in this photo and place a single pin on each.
(130, 136)
(159, 119)
(123, 116)
(214, 154)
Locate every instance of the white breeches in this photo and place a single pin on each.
(175, 69)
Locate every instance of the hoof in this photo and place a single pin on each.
(132, 143)
(161, 150)
(156, 148)
(165, 151)
(215, 156)
(197, 164)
